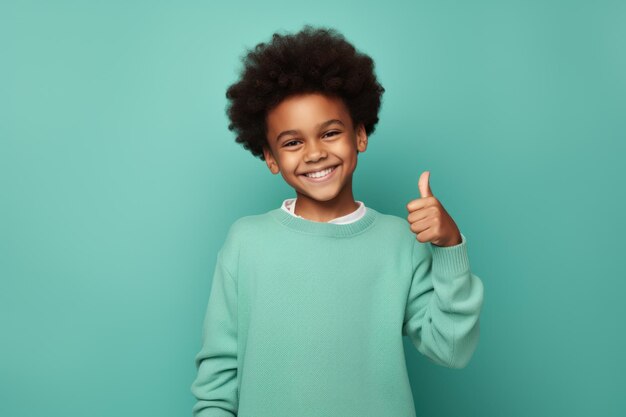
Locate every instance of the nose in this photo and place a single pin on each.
(314, 151)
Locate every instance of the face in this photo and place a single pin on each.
(307, 133)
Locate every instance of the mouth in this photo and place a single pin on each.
(321, 176)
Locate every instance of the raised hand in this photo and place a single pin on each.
(429, 220)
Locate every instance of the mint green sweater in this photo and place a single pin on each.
(307, 318)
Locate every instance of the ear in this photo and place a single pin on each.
(361, 138)
(270, 160)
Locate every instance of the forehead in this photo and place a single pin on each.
(304, 111)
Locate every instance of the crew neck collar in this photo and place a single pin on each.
(301, 224)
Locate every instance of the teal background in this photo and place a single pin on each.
(119, 179)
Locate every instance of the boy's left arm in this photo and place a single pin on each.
(445, 298)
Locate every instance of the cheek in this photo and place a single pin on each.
(352, 159)
(345, 149)
(348, 152)
(290, 167)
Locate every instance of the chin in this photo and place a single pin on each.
(321, 198)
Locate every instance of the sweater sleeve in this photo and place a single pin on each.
(443, 305)
(215, 386)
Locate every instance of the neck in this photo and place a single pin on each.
(324, 211)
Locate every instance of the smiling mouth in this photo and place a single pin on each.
(321, 175)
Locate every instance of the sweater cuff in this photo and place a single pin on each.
(214, 412)
(451, 260)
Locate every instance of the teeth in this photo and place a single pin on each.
(320, 174)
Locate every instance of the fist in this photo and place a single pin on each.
(429, 220)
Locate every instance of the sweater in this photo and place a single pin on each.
(307, 318)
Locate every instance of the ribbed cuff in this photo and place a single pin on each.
(451, 260)
(214, 412)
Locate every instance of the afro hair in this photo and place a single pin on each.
(314, 60)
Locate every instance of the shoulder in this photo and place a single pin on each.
(394, 226)
(246, 229)
(247, 225)
(398, 228)
(240, 232)
(396, 234)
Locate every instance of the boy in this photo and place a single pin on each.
(309, 301)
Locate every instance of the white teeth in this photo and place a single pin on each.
(320, 174)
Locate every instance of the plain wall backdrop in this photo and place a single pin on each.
(119, 179)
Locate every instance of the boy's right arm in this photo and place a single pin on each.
(215, 386)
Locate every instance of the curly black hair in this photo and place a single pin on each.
(316, 60)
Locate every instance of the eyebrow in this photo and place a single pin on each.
(320, 126)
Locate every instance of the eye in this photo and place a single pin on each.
(334, 131)
(291, 141)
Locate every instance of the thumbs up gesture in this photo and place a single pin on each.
(429, 220)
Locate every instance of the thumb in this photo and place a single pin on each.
(424, 186)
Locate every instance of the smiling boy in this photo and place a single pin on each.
(318, 160)
(310, 301)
